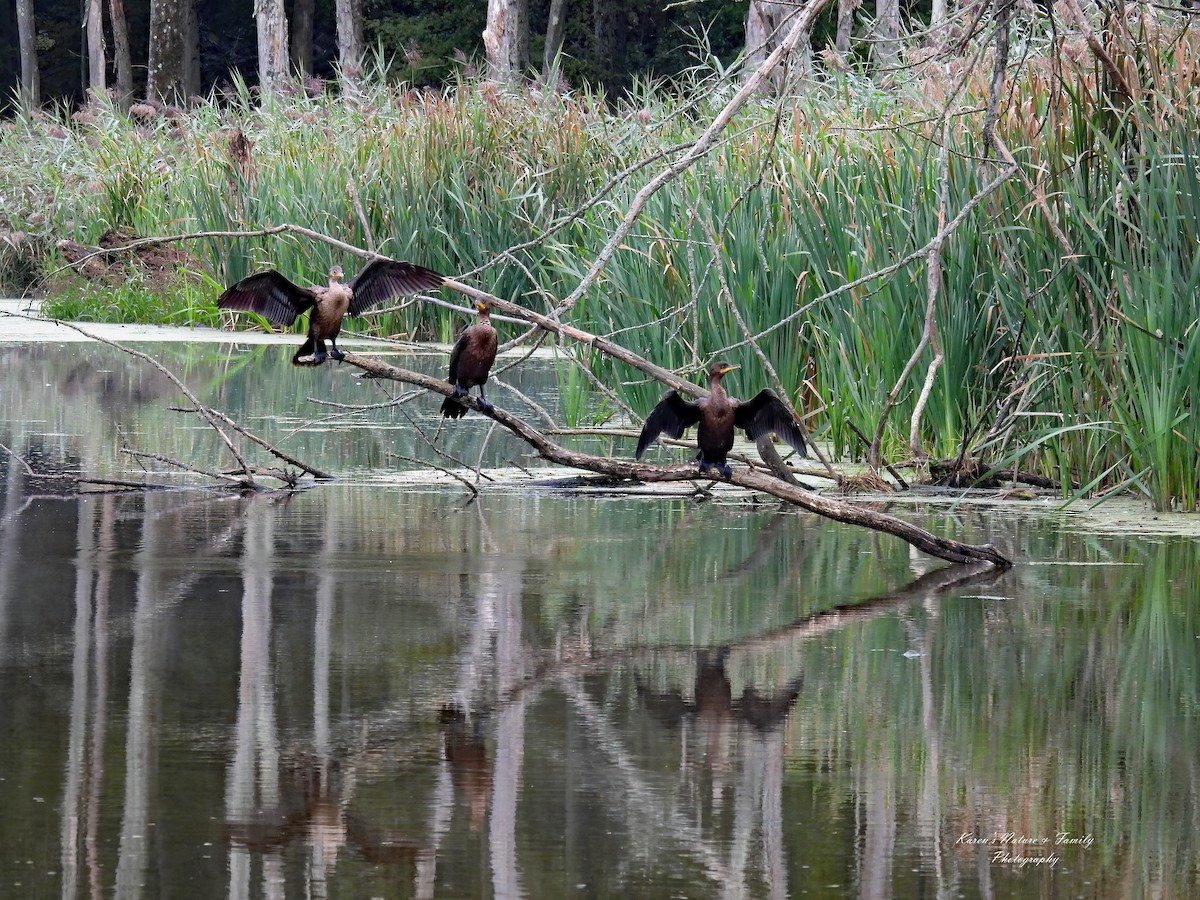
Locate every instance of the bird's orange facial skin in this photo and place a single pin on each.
(725, 370)
(335, 273)
(481, 306)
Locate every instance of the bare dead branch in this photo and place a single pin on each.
(20, 459)
(950, 228)
(604, 345)
(1064, 242)
(286, 228)
(933, 268)
(800, 28)
(201, 409)
(274, 451)
(1097, 47)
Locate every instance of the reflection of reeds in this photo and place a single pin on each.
(1069, 299)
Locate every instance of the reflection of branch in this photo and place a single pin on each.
(640, 791)
(945, 548)
(936, 582)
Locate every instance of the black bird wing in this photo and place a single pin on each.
(456, 352)
(672, 415)
(383, 279)
(765, 413)
(269, 294)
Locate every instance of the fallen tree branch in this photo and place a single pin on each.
(943, 548)
(185, 466)
(274, 451)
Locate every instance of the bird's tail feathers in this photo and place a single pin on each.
(304, 356)
(452, 409)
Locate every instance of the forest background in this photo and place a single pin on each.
(961, 240)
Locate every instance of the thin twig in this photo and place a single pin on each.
(188, 467)
(891, 269)
(421, 462)
(933, 269)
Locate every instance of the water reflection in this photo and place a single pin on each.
(376, 691)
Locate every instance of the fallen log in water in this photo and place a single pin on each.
(943, 548)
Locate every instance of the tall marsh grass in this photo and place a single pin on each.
(1081, 365)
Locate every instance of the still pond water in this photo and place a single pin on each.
(375, 688)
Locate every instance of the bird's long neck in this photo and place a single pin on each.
(714, 387)
(485, 317)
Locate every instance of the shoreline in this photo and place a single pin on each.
(1127, 515)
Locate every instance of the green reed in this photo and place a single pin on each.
(1089, 359)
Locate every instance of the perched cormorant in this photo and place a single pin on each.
(718, 415)
(274, 297)
(471, 361)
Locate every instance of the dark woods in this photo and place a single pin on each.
(425, 42)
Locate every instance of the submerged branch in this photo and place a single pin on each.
(943, 548)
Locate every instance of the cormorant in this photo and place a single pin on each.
(274, 297)
(717, 416)
(471, 361)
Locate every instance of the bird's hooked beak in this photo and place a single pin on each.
(335, 273)
(482, 306)
(725, 370)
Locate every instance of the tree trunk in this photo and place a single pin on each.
(845, 26)
(272, 44)
(938, 14)
(191, 51)
(167, 67)
(611, 30)
(121, 56)
(554, 36)
(94, 28)
(302, 37)
(506, 39)
(887, 33)
(766, 25)
(350, 41)
(31, 88)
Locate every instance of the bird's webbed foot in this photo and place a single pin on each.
(485, 404)
(337, 354)
(721, 469)
(459, 392)
(319, 357)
